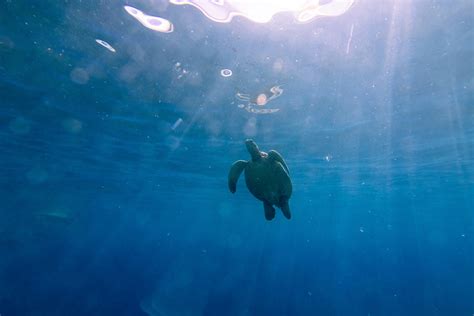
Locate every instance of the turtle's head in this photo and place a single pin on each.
(253, 149)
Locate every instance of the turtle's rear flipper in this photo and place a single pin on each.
(269, 211)
(285, 208)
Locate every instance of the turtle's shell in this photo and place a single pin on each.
(267, 180)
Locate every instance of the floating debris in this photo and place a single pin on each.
(106, 45)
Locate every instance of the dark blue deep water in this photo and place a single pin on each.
(113, 166)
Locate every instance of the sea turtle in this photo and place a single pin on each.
(267, 178)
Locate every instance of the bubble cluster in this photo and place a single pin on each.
(262, 11)
(152, 22)
(106, 45)
(180, 70)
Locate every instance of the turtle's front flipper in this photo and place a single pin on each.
(275, 156)
(285, 208)
(269, 211)
(234, 174)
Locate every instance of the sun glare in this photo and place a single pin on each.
(262, 11)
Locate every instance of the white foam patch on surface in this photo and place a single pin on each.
(226, 72)
(106, 45)
(151, 22)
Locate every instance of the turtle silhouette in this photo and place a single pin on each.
(267, 178)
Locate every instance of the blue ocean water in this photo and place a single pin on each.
(113, 165)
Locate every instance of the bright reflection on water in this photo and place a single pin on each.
(262, 11)
(152, 22)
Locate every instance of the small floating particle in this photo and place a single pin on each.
(361, 229)
(177, 123)
(152, 22)
(226, 72)
(106, 45)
